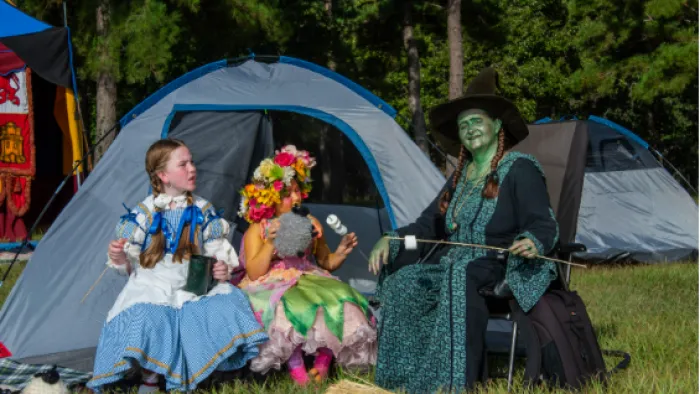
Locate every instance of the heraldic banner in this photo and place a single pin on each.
(17, 151)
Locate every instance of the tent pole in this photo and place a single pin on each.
(664, 160)
(379, 216)
(53, 197)
(444, 155)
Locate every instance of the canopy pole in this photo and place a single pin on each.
(77, 174)
(78, 109)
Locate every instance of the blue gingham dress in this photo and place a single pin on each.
(166, 329)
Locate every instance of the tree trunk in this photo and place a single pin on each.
(331, 144)
(454, 38)
(106, 95)
(414, 105)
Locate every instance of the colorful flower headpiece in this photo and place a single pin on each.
(271, 182)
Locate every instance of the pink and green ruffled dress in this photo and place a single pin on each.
(299, 303)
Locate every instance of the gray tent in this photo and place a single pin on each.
(632, 208)
(219, 111)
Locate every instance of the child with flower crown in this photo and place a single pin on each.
(301, 305)
(155, 324)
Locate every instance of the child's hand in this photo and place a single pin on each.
(347, 244)
(220, 271)
(272, 230)
(116, 253)
(318, 228)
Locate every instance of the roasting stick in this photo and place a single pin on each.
(94, 284)
(411, 243)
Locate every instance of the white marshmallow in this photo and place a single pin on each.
(332, 221)
(410, 242)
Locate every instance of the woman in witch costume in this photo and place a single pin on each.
(433, 318)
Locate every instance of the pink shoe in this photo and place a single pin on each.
(299, 376)
(323, 361)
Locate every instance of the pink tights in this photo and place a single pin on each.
(297, 370)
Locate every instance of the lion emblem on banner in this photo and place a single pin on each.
(8, 92)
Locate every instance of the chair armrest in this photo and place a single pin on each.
(571, 248)
(500, 290)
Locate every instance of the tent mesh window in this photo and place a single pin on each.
(341, 175)
(610, 151)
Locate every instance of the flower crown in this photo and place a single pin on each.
(271, 182)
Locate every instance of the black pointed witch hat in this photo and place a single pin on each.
(480, 94)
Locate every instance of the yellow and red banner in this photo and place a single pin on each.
(17, 149)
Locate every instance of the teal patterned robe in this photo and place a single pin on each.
(423, 333)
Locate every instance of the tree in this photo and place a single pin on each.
(638, 66)
(127, 43)
(134, 47)
(414, 92)
(331, 143)
(106, 82)
(454, 38)
(633, 62)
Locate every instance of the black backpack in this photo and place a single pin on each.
(561, 345)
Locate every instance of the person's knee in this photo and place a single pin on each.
(484, 273)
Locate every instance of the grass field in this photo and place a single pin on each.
(649, 311)
(11, 279)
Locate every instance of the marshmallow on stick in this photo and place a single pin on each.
(334, 223)
(410, 242)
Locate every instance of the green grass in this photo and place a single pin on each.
(11, 279)
(652, 313)
(649, 311)
(37, 235)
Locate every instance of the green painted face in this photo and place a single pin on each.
(478, 132)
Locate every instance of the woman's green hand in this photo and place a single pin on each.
(379, 255)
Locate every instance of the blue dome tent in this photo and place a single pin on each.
(632, 207)
(219, 110)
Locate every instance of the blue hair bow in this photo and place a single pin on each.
(192, 215)
(195, 217)
(159, 223)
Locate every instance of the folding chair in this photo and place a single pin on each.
(498, 300)
(561, 149)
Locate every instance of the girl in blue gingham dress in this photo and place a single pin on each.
(155, 324)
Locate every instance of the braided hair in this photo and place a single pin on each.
(157, 158)
(446, 195)
(185, 249)
(490, 190)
